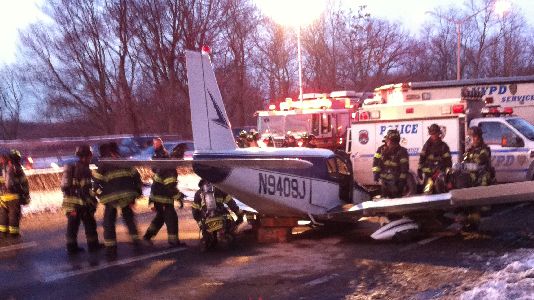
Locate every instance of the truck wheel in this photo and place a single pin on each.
(411, 186)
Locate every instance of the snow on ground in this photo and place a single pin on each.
(514, 281)
(50, 201)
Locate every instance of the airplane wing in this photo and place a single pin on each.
(265, 163)
(468, 197)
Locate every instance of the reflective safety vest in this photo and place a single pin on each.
(164, 187)
(77, 187)
(14, 184)
(117, 186)
(393, 163)
(481, 156)
(434, 155)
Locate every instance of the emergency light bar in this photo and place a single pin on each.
(496, 111)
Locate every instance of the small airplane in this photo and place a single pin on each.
(316, 184)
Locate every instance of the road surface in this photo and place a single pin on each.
(317, 264)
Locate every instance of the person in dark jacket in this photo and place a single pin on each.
(117, 188)
(377, 159)
(79, 202)
(478, 159)
(163, 193)
(435, 156)
(14, 192)
(393, 166)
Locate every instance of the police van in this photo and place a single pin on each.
(510, 138)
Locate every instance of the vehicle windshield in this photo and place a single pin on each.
(271, 124)
(522, 126)
(280, 125)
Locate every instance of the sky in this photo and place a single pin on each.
(17, 14)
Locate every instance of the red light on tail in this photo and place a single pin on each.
(206, 49)
(409, 110)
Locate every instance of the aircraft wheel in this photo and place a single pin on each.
(406, 236)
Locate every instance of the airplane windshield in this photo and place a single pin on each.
(522, 126)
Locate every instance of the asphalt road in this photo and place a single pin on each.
(317, 264)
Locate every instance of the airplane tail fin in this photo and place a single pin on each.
(211, 127)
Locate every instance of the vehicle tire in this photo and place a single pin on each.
(411, 186)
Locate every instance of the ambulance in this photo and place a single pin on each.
(511, 138)
(516, 92)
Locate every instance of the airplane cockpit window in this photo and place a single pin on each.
(331, 167)
(342, 167)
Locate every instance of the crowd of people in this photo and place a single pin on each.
(114, 187)
(253, 138)
(391, 162)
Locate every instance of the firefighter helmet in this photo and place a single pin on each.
(83, 150)
(434, 129)
(393, 135)
(243, 134)
(475, 131)
(14, 156)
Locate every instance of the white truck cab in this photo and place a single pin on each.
(510, 138)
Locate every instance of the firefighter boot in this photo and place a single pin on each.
(94, 246)
(73, 248)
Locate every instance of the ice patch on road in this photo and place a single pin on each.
(514, 281)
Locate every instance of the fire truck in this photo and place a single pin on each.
(516, 92)
(326, 116)
(510, 138)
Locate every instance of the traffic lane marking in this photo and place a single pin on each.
(121, 262)
(18, 246)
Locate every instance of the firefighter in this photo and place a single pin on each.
(79, 201)
(242, 139)
(435, 156)
(202, 208)
(377, 158)
(117, 188)
(163, 193)
(14, 192)
(268, 141)
(289, 140)
(159, 149)
(477, 159)
(392, 166)
(308, 141)
(253, 138)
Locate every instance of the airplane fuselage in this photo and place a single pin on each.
(287, 192)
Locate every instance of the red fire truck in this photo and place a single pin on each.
(325, 116)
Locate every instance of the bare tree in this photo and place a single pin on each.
(11, 99)
(275, 60)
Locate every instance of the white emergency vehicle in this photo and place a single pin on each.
(511, 138)
(326, 116)
(516, 92)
